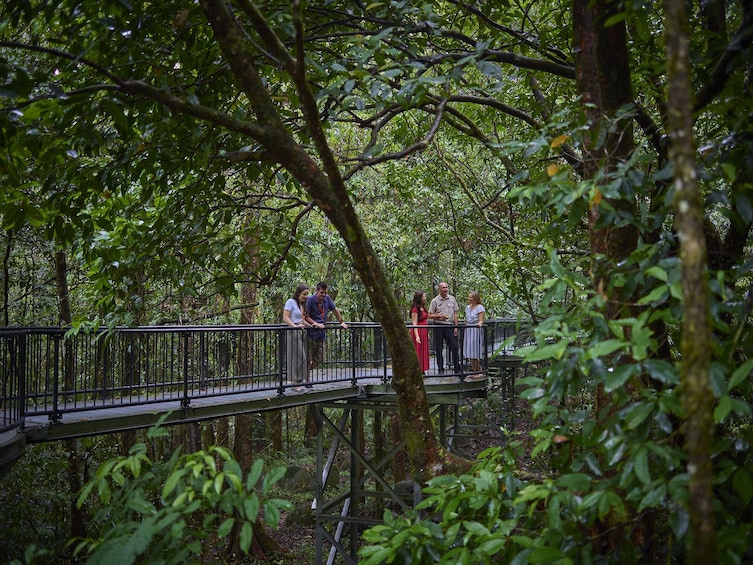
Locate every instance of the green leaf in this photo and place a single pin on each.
(172, 482)
(251, 506)
(225, 527)
(637, 413)
(579, 482)
(658, 273)
(167, 520)
(272, 476)
(491, 547)
(676, 290)
(271, 514)
(604, 348)
(592, 499)
(743, 206)
(656, 296)
(522, 557)
(219, 479)
(529, 381)
(554, 514)
(84, 494)
(617, 376)
(661, 371)
(116, 550)
(740, 374)
(641, 466)
(723, 408)
(743, 485)
(740, 407)
(103, 491)
(254, 474)
(247, 534)
(679, 520)
(653, 497)
(550, 351)
(532, 393)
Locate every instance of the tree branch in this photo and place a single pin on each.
(726, 64)
(418, 146)
(63, 55)
(519, 61)
(205, 113)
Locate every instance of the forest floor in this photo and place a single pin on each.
(297, 541)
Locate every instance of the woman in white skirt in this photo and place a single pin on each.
(294, 316)
(473, 342)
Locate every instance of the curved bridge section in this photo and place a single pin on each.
(57, 384)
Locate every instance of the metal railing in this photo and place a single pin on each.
(48, 370)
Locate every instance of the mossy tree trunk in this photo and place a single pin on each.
(324, 182)
(697, 397)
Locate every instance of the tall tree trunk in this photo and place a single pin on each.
(695, 346)
(322, 179)
(244, 423)
(603, 79)
(262, 543)
(602, 73)
(398, 460)
(78, 515)
(193, 437)
(64, 314)
(274, 429)
(6, 277)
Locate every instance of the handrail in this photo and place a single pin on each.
(52, 371)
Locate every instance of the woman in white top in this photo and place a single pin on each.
(294, 316)
(473, 342)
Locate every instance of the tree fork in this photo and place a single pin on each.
(326, 186)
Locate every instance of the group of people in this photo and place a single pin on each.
(308, 312)
(443, 311)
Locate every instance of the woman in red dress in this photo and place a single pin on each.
(420, 317)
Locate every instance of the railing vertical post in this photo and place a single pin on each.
(461, 350)
(104, 349)
(55, 416)
(485, 343)
(203, 361)
(184, 402)
(353, 349)
(22, 378)
(383, 341)
(281, 356)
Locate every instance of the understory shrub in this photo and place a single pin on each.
(172, 511)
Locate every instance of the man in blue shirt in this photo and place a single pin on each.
(318, 307)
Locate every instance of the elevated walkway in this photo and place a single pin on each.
(58, 386)
(120, 418)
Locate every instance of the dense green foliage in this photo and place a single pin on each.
(166, 512)
(35, 503)
(466, 136)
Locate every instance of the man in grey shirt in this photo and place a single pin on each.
(444, 311)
